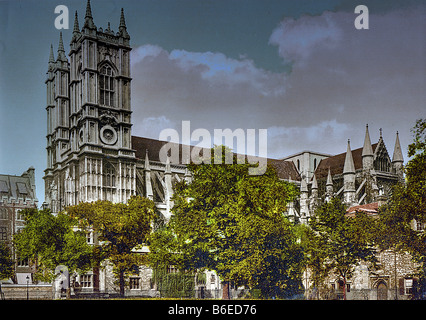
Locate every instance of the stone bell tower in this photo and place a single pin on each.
(90, 156)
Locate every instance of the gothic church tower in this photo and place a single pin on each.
(89, 151)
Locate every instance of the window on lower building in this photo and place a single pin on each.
(86, 280)
(19, 215)
(3, 233)
(134, 283)
(3, 213)
(408, 286)
(89, 237)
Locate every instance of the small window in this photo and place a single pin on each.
(19, 216)
(3, 233)
(106, 86)
(86, 280)
(298, 164)
(408, 286)
(315, 164)
(134, 283)
(89, 237)
(3, 214)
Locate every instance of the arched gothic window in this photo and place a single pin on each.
(109, 175)
(106, 86)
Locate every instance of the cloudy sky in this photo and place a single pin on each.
(299, 69)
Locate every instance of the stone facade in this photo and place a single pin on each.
(91, 154)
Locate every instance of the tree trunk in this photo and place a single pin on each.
(121, 283)
(225, 290)
(344, 287)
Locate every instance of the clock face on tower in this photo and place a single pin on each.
(108, 135)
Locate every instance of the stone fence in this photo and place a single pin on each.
(22, 292)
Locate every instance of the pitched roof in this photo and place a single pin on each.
(16, 187)
(369, 209)
(337, 162)
(285, 169)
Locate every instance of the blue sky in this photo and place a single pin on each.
(297, 68)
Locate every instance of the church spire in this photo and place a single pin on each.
(329, 179)
(88, 19)
(76, 30)
(76, 26)
(122, 29)
(51, 63)
(367, 150)
(397, 152)
(51, 56)
(61, 50)
(349, 166)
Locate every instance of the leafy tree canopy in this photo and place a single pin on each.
(120, 228)
(231, 222)
(50, 241)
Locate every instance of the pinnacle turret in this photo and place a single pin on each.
(122, 30)
(61, 50)
(397, 152)
(76, 30)
(349, 166)
(88, 19)
(51, 56)
(51, 63)
(329, 179)
(367, 150)
(314, 183)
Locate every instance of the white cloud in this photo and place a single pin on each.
(151, 127)
(297, 39)
(341, 79)
(142, 52)
(324, 133)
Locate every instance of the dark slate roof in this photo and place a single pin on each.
(337, 162)
(285, 169)
(16, 187)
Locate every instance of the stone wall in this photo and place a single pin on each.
(19, 291)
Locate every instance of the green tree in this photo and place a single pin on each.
(49, 241)
(338, 243)
(6, 262)
(231, 222)
(121, 228)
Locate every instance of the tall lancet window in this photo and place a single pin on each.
(106, 86)
(109, 175)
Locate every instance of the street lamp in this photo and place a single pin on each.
(28, 280)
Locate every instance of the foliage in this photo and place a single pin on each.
(407, 205)
(6, 262)
(337, 243)
(51, 241)
(174, 285)
(231, 222)
(120, 228)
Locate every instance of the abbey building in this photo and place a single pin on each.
(92, 155)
